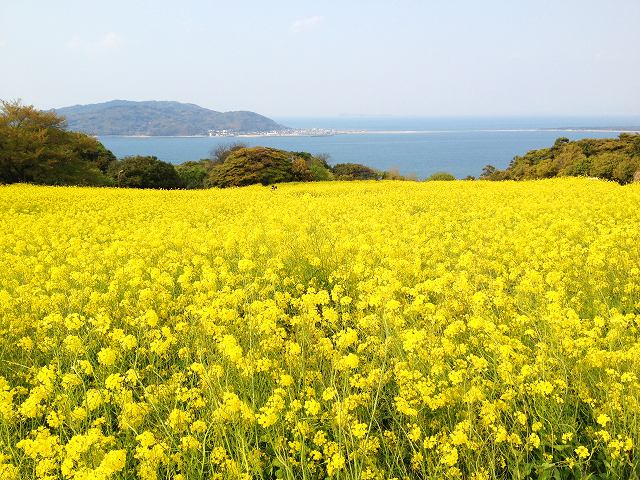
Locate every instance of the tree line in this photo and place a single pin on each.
(616, 159)
(36, 147)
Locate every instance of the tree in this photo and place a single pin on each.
(89, 149)
(301, 170)
(488, 171)
(194, 174)
(219, 154)
(320, 169)
(625, 171)
(603, 164)
(35, 147)
(311, 168)
(247, 166)
(392, 174)
(569, 161)
(144, 172)
(355, 171)
(609, 158)
(560, 142)
(441, 176)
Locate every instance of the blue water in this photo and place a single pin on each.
(461, 146)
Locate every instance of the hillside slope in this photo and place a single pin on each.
(122, 117)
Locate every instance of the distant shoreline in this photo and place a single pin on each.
(397, 132)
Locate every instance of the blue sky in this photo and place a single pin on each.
(324, 58)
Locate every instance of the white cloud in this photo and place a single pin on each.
(108, 41)
(305, 24)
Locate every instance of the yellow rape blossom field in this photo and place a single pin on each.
(366, 330)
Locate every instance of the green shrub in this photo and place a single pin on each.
(355, 171)
(247, 166)
(392, 174)
(320, 170)
(624, 172)
(441, 176)
(144, 172)
(603, 164)
(194, 174)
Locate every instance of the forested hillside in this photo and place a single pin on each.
(615, 159)
(121, 117)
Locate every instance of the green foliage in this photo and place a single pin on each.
(89, 149)
(221, 152)
(320, 170)
(245, 166)
(300, 170)
(488, 171)
(355, 171)
(35, 147)
(392, 174)
(144, 172)
(248, 166)
(627, 170)
(312, 168)
(560, 142)
(194, 174)
(615, 159)
(441, 176)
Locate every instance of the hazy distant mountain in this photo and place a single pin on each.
(122, 117)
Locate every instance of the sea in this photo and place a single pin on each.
(411, 145)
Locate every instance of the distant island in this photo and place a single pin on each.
(163, 118)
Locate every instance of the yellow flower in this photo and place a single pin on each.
(359, 430)
(603, 419)
(198, 426)
(534, 440)
(179, 419)
(286, 380)
(450, 456)
(312, 407)
(113, 461)
(329, 393)
(335, 464)
(348, 362)
(582, 452)
(107, 356)
(415, 432)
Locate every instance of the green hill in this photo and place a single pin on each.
(155, 118)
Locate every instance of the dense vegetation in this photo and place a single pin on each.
(144, 172)
(362, 330)
(441, 177)
(36, 147)
(247, 166)
(611, 159)
(194, 174)
(355, 171)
